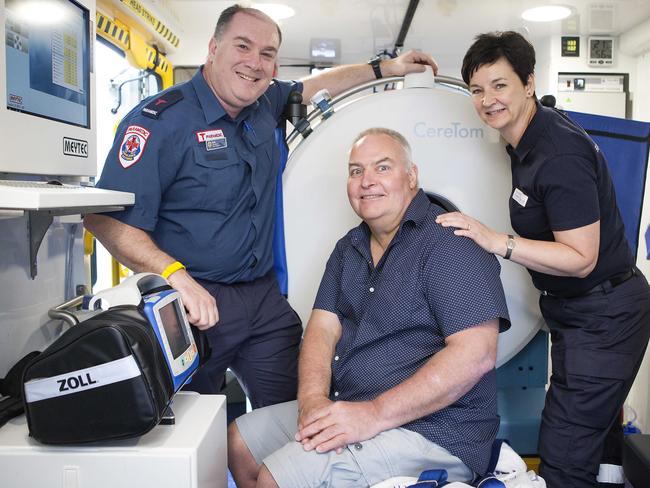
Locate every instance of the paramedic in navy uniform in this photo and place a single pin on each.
(571, 239)
(202, 161)
(397, 365)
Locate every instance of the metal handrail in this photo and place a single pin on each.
(61, 311)
(448, 81)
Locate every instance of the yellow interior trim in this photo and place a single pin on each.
(139, 9)
(137, 51)
(532, 463)
(115, 272)
(89, 243)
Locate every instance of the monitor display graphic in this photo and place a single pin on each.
(176, 334)
(48, 59)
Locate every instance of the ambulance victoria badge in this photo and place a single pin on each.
(135, 139)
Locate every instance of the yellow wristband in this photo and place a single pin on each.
(171, 269)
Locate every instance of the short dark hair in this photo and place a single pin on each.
(489, 48)
(227, 15)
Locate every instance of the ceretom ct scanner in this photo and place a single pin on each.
(462, 164)
(460, 160)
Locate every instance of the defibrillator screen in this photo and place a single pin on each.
(177, 336)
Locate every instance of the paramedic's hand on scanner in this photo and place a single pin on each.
(201, 307)
(342, 78)
(409, 62)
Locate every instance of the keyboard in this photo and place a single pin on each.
(41, 195)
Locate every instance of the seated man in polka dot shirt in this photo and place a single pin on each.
(397, 364)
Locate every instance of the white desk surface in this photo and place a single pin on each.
(192, 450)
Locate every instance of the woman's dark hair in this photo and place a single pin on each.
(489, 48)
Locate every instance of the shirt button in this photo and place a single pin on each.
(336, 358)
(371, 289)
(358, 446)
(336, 393)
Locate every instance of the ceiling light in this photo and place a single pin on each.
(547, 13)
(40, 12)
(277, 11)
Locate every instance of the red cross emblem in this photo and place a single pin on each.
(133, 143)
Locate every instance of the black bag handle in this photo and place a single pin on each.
(12, 387)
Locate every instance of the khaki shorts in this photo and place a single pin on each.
(269, 434)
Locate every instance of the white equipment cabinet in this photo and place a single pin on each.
(599, 94)
(191, 453)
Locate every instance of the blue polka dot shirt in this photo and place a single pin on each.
(428, 285)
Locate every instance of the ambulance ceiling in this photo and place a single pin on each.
(443, 27)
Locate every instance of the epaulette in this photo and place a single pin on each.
(154, 108)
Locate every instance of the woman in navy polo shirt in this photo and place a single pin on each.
(571, 239)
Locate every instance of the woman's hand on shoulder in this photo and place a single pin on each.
(466, 226)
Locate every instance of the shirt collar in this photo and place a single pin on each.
(416, 212)
(212, 108)
(531, 134)
(417, 209)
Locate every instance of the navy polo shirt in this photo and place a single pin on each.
(204, 182)
(561, 181)
(428, 285)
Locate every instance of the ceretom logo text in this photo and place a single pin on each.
(454, 130)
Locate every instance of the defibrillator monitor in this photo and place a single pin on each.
(166, 314)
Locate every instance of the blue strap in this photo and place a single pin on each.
(279, 251)
(494, 455)
(431, 478)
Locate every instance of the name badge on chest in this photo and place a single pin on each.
(520, 197)
(213, 139)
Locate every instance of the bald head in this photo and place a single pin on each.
(405, 147)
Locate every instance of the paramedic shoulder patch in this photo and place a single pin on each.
(133, 144)
(154, 108)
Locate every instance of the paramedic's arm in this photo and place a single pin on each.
(314, 368)
(341, 78)
(134, 248)
(447, 376)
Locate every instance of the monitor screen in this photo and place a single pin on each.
(48, 59)
(177, 336)
(326, 50)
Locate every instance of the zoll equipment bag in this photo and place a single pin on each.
(113, 375)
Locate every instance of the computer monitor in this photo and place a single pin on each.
(47, 114)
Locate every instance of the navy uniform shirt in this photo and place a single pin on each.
(204, 183)
(560, 182)
(428, 285)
